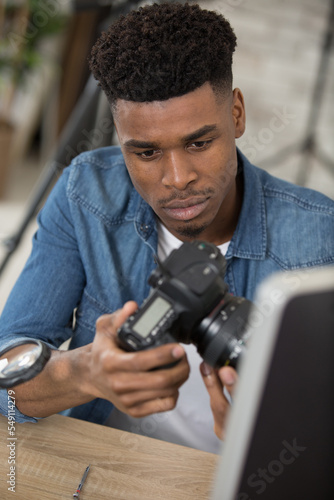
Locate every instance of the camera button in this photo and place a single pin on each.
(132, 341)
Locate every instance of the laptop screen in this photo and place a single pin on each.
(280, 437)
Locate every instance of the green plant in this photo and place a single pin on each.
(23, 26)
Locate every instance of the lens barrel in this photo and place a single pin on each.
(221, 337)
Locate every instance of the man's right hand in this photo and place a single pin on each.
(126, 379)
(103, 370)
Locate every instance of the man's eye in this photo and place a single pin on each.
(147, 154)
(200, 144)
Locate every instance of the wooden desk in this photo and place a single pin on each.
(51, 457)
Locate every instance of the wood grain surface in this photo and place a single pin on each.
(51, 457)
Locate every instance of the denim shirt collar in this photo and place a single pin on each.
(250, 237)
(144, 219)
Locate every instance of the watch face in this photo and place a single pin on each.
(19, 359)
(22, 361)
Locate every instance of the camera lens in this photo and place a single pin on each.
(221, 337)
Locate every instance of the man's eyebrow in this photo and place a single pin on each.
(133, 143)
(197, 134)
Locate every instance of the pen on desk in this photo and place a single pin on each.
(77, 493)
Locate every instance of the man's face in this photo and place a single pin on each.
(181, 157)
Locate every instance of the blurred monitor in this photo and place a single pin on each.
(280, 434)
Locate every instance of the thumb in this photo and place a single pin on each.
(108, 324)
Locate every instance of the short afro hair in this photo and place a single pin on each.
(162, 51)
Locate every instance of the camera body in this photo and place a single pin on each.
(189, 303)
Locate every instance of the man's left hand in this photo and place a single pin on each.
(215, 381)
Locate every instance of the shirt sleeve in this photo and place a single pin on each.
(16, 416)
(43, 300)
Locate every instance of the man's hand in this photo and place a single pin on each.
(126, 378)
(215, 381)
(103, 370)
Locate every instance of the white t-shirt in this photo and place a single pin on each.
(191, 422)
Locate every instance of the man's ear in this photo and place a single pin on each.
(238, 112)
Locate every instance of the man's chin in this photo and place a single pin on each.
(190, 230)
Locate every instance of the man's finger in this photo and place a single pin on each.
(157, 405)
(138, 398)
(218, 401)
(212, 382)
(228, 377)
(128, 381)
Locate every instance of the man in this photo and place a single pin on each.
(166, 70)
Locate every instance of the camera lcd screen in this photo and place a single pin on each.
(151, 317)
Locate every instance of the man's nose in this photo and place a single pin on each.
(178, 170)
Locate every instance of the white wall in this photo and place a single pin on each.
(276, 62)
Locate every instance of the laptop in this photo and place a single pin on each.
(280, 433)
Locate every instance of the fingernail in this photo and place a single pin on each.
(178, 352)
(206, 369)
(229, 378)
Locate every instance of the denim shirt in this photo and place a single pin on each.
(97, 239)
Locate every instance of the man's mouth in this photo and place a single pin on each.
(186, 209)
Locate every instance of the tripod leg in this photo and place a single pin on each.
(82, 116)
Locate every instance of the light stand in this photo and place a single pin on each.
(308, 146)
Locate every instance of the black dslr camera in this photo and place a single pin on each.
(189, 303)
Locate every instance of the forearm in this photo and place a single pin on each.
(58, 387)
